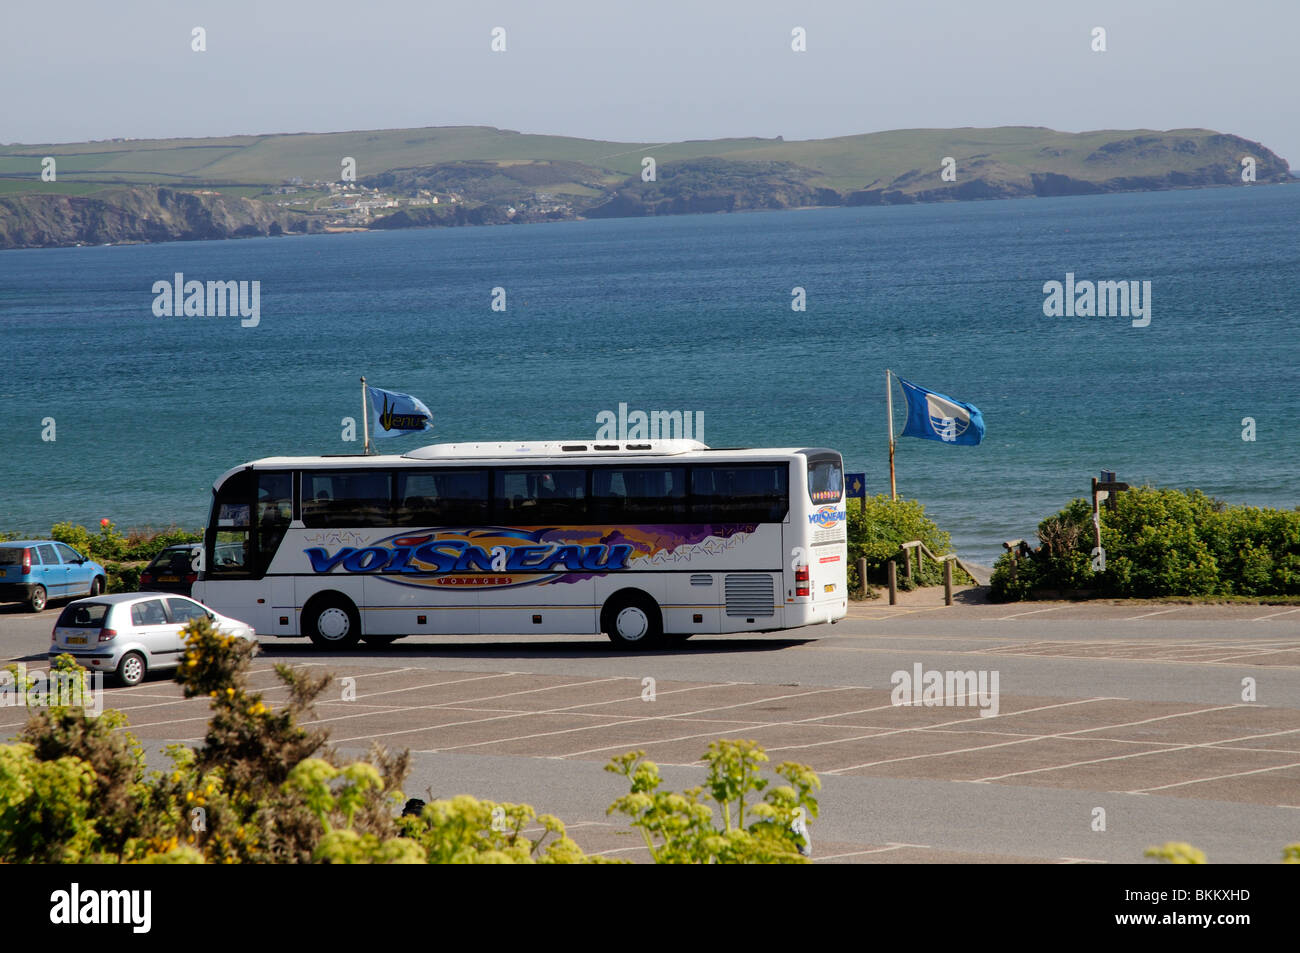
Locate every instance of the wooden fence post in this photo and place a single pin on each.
(947, 582)
(893, 582)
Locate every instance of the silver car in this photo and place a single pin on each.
(130, 634)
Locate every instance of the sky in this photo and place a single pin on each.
(652, 71)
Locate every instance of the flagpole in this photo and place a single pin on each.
(889, 400)
(365, 418)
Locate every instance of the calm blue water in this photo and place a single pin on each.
(688, 313)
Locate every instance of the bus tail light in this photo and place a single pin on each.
(802, 581)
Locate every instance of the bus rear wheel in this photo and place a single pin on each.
(632, 620)
(332, 621)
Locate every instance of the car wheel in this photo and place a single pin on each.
(332, 621)
(36, 599)
(130, 671)
(632, 620)
(96, 585)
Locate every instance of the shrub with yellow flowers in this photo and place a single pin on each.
(683, 829)
(265, 787)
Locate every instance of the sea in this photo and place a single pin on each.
(110, 411)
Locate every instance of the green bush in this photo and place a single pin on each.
(108, 545)
(146, 543)
(122, 578)
(1162, 542)
(877, 530)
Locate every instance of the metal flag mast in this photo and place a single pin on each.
(365, 420)
(889, 400)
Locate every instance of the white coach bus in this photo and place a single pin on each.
(647, 542)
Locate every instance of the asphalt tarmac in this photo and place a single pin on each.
(1101, 728)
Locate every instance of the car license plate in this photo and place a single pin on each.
(2, 572)
(168, 579)
(76, 640)
(830, 587)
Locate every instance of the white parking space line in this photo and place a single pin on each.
(568, 709)
(1147, 615)
(1217, 777)
(391, 671)
(1265, 618)
(631, 746)
(859, 853)
(454, 681)
(1026, 739)
(943, 724)
(1018, 615)
(1143, 754)
(1229, 658)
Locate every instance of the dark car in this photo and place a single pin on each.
(172, 570)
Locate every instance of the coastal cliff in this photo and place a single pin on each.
(113, 216)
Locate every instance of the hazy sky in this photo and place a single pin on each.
(656, 71)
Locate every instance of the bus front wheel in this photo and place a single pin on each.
(632, 620)
(332, 621)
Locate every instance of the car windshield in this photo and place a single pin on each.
(173, 561)
(86, 615)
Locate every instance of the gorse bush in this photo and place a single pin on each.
(264, 787)
(1162, 543)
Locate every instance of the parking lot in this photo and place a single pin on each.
(1138, 711)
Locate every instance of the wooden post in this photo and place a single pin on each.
(1013, 549)
(862, 572)
(907, 565)
(893, 582)
(1096, 516)
(947, 582)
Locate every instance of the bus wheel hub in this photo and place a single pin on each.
(333, 623)
(632, 623)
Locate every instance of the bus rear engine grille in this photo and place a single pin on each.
(749, 594)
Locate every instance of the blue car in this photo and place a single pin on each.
(35, 571)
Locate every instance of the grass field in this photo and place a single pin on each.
(845, 163)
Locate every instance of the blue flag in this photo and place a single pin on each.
(856, 483)
(935, 416)
(395, 415)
